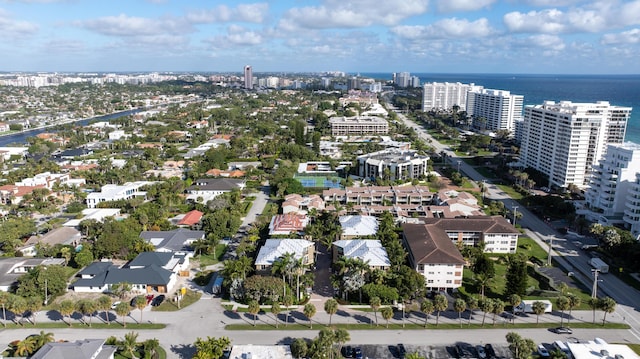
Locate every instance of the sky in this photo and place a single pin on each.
(420, 36)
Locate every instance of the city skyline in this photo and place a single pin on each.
(438, 36)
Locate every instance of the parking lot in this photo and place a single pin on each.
(427, 351)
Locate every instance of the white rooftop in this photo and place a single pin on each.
(276, 248)
(601, 350)
(358, 225)
(370, 251)
(250, 351)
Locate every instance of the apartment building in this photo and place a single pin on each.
(359, 125)
(393, 164)
(610, 196)
(494, 110)
(565, 140)
(632, 212)
(379, 195)
(444, 95)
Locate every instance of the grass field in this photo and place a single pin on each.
(209, 259)
(510, 191)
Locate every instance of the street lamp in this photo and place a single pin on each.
(515, 212)
(549, 254)
(459, 166)
(594, 291)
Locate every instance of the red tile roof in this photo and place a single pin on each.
(191, 218)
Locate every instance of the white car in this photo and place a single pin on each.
(543, 351)
(114, 305)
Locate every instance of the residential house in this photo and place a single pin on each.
(463, 203)
(12, 194)
(95, 214)
(295, 203)
(169, 169)
(62, 235)
(113, 192)
(215, 172)
(80, 349)
(434, 256)
(276, 248)
(358, 226)
(177, 240)
(191, 219)
(285, 224)
(494, 232)
(11, 268)
(146, 273)
(206, 189)
(370, 251)
(4, 127)
(248, 351)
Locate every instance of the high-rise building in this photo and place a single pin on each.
(445, 95)
(494, 110)
(402, 79)
(248, 77)
(613, 192)
(565, 140)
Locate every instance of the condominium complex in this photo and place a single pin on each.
(565, 140)
(360, 125)
(613, 195)
(494, 110)
(445, 95)
(393, 164)
(248, 77)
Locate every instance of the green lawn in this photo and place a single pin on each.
(530, 248)
(96, 324)
(510, 191)
(210, 259)
(170, 306)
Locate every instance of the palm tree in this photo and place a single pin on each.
(151, 347)
(426, 307)
(472, 304)
(482, 279)
(286, 303)
(514, 301)
(459, 305)
(608, 305)
(341, 336)
(375, 303)
(440, 303)
(121, 290)
(18, 305)
(538, 308)
(562, 303)
(281, 266)
(87, 307)
(34, 304)
(331, 307)
(275, 310)
(486, 304)
(574, 302)
(254, 308)
(42, 339)
(309, 311)
(122, 309)
(66, 308)
(104, 304)
(129, 343)
(387, 313)
(25, 347)
(299, 268)
(498, 308)
(141, 302)
(5, 297)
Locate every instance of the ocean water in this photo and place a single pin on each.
(619, 90)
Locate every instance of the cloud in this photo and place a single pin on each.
(352, 14)
(626, 37)
(543, 3)
(462, 5)
(545, 21)
(254, 13)
(446, 29)
(236, 36)
(14, 29)
(130, 26)
(64, 46)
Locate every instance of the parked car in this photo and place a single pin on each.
(347, 351)
(542, 351)
(114, 305)
(357, 353)
(401, 350)
(158, 300)
(149, 298)
(491, 353)
(482, 354)
(562, 330)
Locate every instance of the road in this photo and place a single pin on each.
(627, 297)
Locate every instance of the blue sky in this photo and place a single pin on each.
(438, 36)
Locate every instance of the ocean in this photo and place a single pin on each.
(619, 90)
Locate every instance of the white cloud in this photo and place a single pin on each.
(130, 26)
(446, 29)
(255, 13)
(542, 3)
(549, 42)
(626, 37)
(14, 29)
(352, 14)
(462, 5)
(545, 21)
(236, 36)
